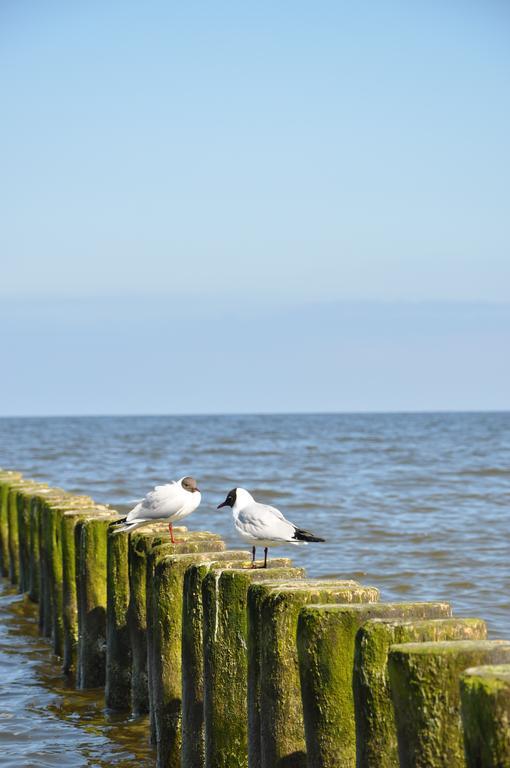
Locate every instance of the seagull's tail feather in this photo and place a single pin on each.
(301, 535)
(122, 526)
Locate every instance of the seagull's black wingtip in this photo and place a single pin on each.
(118, 522)
(302, 535)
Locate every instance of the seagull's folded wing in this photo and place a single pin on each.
(261, 522)
(163, 501)
(275, 512)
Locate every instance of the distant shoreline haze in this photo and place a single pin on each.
(158, 355)
(183, 415)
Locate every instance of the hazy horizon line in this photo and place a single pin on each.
(424, 412)
(217, 297)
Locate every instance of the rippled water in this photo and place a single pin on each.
(43, 721)
(417, 505)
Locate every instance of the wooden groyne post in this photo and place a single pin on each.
(275, 719)
(164, 640)
(485, 704)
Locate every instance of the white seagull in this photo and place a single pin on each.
(172, 502)
(260, 524)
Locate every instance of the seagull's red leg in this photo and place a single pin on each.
(265, 557)
(253, 557)
(171, 533)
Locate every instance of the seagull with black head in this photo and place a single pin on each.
(262, 525)
(172, 501)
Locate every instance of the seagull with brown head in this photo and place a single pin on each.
(172, 502)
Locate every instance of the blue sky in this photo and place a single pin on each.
(272, 183)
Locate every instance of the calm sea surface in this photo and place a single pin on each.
(415, 504)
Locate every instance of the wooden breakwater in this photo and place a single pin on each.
(251, 668)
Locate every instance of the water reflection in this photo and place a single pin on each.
(44, 722)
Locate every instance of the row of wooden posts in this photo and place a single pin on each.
(243, 667)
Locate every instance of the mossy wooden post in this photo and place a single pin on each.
(164, 641)
(24, 498)
(34, 566)
(118, 645)
(17, 511)
(485, 704)
(68, 523)
(425, 690)
(193, 736)
(140, 544)
(224, 595)
(375, 722)
(23, 501)
(326, 644)
(13, 530)
(91, 537)
(158, 623)
(6, 480)
(46, 596)
(275, 714)
(53, 581)
(15, 502)
(55, 509)
(33, 545)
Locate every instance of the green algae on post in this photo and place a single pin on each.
(13, 535)
(49, 510)
(224, 595)
(326, 645)
(39, 538)
(91, 535)
(52, 536)
(36, 506)
(140, 544)
(193, 734)
(15, 496)
(68, 523)
(424, 680)
(118, 645)
(162, 636)
(22, 502)
(275, 718)
(6, 480)
(33, 546)
(34, 565)
(164, 623)
(485, 705)
(26, 498)
(375, 722)
(53, 580)
(23, 511)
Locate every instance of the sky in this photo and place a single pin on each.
(257, 206)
